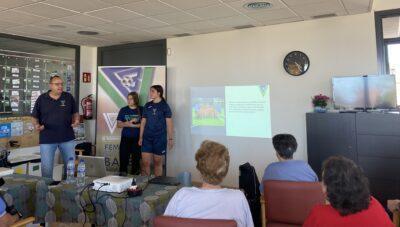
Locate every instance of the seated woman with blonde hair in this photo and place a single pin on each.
(211, 201)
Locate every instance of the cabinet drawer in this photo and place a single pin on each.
(378, 124)
(378, 146)
(380, 168)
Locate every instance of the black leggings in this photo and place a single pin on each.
(127, 147)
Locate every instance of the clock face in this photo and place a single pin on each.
(296, 63)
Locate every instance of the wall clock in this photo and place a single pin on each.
(296, 63)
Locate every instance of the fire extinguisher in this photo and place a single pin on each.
(87, 107)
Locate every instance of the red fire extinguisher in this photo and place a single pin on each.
(87, 107)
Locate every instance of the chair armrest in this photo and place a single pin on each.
(263, 218)
(23, 222)
(396, 218)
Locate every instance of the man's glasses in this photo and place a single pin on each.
(58, 84)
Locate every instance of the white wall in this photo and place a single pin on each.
(88, 63)
(337, 46)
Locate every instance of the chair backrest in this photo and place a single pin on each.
(290, 202)
(168, 221)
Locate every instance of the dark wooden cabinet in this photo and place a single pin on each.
(330, 134)
(372, 140)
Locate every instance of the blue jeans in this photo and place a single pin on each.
(47, 151)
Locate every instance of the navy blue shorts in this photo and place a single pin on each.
(155, 145)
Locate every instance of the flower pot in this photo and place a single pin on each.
(319, 109)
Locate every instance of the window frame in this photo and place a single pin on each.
(381, 43)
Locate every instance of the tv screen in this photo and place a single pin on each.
(381, 92)
(372, 92)
(348, 92)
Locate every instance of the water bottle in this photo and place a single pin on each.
(70, 171)
(81, 173)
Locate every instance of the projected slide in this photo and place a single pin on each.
(242, 111)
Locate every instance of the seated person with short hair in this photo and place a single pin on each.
(211, 201)
(287, 169)
(349, 200)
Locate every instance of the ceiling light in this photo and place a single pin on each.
(257, 5)
(87, 33)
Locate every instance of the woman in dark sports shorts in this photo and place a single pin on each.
(156, 131)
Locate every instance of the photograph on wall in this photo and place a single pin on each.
(17, 128)
(15, 98)
(5, 130)
(14, 70)
(114, 85)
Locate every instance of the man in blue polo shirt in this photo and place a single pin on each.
(287, 169)
(54, 116)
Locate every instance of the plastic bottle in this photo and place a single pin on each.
(81, 173)
(70, 171)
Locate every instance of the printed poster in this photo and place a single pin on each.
(114, 84)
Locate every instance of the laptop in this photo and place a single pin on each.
(95, 166)
(165, 181)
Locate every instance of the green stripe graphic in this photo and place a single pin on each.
(114, 95)
(147, 80)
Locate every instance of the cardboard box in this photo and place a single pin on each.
(35, 169)
(21, 169)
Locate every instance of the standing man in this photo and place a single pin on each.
(54, 116)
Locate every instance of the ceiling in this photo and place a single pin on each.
(125, 21)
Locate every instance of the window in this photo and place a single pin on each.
(388, 44)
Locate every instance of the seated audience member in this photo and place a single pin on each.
(5, 218)
(287, 169)
(348, 197)
(393, 205)
(211, 201)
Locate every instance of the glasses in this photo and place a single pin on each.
(58, 84)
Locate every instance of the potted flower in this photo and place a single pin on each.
(320, 102)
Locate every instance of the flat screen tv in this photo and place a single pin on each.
(364, 92)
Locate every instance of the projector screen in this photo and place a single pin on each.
(242, 111)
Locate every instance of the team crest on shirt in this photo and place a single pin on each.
(62, 102)
(154, 111)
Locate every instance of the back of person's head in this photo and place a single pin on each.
(347, 188)
(212, 161)
(285, 145)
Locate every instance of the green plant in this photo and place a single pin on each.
(320, 100)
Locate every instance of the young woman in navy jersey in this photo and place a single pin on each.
(156, 131)
(129, 120)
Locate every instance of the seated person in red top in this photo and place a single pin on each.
(348, 197)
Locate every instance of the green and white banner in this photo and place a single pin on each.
(114, 84)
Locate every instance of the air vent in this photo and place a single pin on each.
(183, 35)
(57, 26)
(244, 26)
(324, 16)
(87, 33)
(257, 5)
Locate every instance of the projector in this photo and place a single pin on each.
(112, 184)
